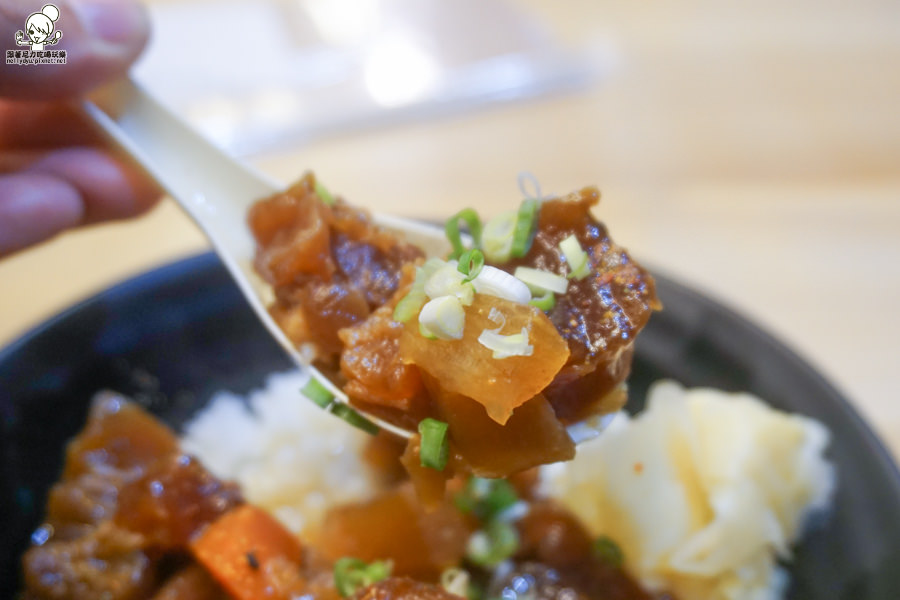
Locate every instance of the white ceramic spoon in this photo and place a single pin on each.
(217, 190)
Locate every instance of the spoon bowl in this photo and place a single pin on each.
(216, 191)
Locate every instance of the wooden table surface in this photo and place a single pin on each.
(750, 151)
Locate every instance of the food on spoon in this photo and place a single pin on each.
(531, 329)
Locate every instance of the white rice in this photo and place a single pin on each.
(288, 455)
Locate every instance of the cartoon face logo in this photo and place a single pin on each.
(39, 29)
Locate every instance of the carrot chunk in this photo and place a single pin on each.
(246, 551)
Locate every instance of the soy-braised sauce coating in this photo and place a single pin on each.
(329, 265)
(127, 499)
(556, 561)
(404, 588)
(599, 316)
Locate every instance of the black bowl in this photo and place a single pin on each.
(174, 336)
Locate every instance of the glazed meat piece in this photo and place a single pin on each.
(535, 581)
(328, 264)
(599, 316)
(556, 561)
(82, 553)
(191, 583)
(174, 499)
(127, 498)
(106, 562)
(377, 378)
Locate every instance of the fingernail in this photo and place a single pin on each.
(114, 21)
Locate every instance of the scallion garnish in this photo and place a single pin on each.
(505, 346)
(523, 233)
(410, 305)
(323, 194)
(492, 545)
(354, 418)
(608, 551)
(455, 581)
(353, 574)
(497, 236)
(486, 498)
(470, 263)
(443, 318)
(318, 393)
(425, 332)
(449, 281)
(545, 302)
(496, 282)
(434, 448)
(577, 258)
(451, 228)
(540, 281)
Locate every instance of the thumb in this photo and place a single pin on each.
(101, 39)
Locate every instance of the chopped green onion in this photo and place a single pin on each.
(318, 393)
(496, 282)
(497, 236)
(354, 418)
(539, 281)
(523, 234)
(470, 263)
(576, 257)
(455, 581)
(443, 318)
(608, 551)
(504, 346)
(424, 273)
(409, 306)
(492, 545)
(323, 194)
(425, 333)
(434, 448)
(448, 281)
(486, 498)
(353, 574)
(451, 228)
(544, 303)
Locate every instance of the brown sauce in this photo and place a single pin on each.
(337, 278)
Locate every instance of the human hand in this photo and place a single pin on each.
(55, 170)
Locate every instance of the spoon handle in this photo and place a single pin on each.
(214, 189)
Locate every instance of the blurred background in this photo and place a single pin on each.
(751, 151)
